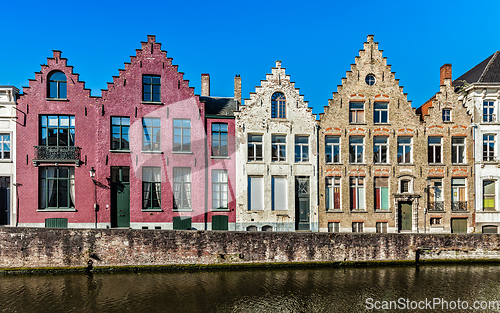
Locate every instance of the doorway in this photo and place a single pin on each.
(120, 196)
(4, 200)
(302, 203)
(405, 215)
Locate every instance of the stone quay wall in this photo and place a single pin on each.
(66, 249)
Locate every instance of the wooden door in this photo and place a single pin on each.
(120, 196)
(405, 216)
(302, 203)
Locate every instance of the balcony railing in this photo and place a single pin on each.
(56, 154)
(459, 206)
(436, 206)
(489, 118)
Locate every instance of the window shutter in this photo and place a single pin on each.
(256, 192)
(280, 200)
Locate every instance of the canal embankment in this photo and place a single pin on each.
(49, 250)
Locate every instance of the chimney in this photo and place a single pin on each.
(205, 85)
(445, 73)
(237, 89)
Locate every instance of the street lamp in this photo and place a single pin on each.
(92, 173)
(96, 207)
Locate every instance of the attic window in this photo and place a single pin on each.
(57, 85)
(370, 79)
(278, 108)
(446, 115)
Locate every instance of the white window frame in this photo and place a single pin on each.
(446, 115)
(256, 157)
(492, 196)
(356, 147)
(278, 148)
(432, 148)
(357, 227)
(354, 112)
(219, 190)
(455, 150)
(404, 147)
(332, 183)
(359, 187)
(489, 109)
(182, 188)
(490, 151)
(330, 147)
(378, 113)
(5, 144)
(302, 156)
(377, 157)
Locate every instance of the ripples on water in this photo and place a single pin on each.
(287, 290)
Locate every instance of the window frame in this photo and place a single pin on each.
(357, 188)
(279, 202)
(489, 154)
(218, 137)
(378, 113)
(435, 150)
(121, 134)
(355, 156)
(70, 179)
(455, 150)
(5, 144)
(378, 191)
(357, 227)
(255, 145)
(182, 189)
(381, 146)
(381, 227)
(332, 146)
(402, 147)
(446, 115)
(185, 133)
(334, 227)
(278, 148)
(153, 184)
(435, 194)
(259, 180)
(71, 142)
(154, 132)
(333, 190)
(59, 86)
(301, 156)
(222, 191)
(278, 105)
(150, 86)
(356, 115)
(489, 115)
(489, 196)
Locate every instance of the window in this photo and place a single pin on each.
(380, 112)
(357, 193)
(182, 188)
(151, 88)
(278, 192)
(4, 147)
(434, 150)
(370, 79)
(458, 149)
(219, 189)
(255, 193)
(301, 148)
(120, 137)
(405, 185)
(381, 227)
(267, 228)
(219, 139)
(380, 148)
(356, 149)
(332, 149)
(458, 194)
(57, 86)
(357, 227)
(57, 130)
(332, 199)
(278, 148)
(404, 150)
(446, 115)
(333, 227)
(57, 187)
(151, 188)
(488, 147)
(182, 135)
(488, 112)
(356, 112)
(381, 186)
(435, 221)
(435, 194)
(151, 134)
(489, 195)
(252, 228)
(278, 105)
(254, 147)
(490, 229)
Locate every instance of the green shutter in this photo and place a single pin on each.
(220, 222)
(384, 198)
(182, 223)
(459, 225)
(56, 222)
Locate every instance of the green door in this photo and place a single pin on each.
(56, 222)
(182, 223)
(458, 225)
(120, 196)
(405, 216)
(302, 203)
(220, 222)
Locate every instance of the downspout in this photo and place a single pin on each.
(318, 173)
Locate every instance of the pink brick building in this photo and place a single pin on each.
(143, 141)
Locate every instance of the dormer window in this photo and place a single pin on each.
(57, 86)
(278, 105)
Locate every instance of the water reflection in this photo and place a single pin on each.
(289, 290)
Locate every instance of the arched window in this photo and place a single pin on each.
(278, 109)
(57, 85)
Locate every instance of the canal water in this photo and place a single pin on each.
(257, 290)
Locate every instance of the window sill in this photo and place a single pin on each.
(255, 162)
(57, 210)
(182, 210)
(352, 123)
(336, 163)
(56, 99)
(302, 162)
(447, 122)
(152, 102)
(152, 152)
(382, 211)
(382, 124)
(334, 211)
(220, 210)
(436, 164)
(357, 164)
(406, 164)
(182, 152)
(382, 164)
(121, 151)
(459, 164)
(279, 162)
(359, 211)
(6, 161)
(151, 210)
(220, 157)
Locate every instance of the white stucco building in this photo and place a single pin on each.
(8, 96)
(276, 159)
(480, 89)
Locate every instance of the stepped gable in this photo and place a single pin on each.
(488, 71)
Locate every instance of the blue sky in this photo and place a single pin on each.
(316, 40)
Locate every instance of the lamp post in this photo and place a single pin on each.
(96, 207)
